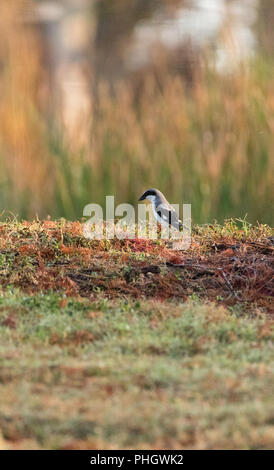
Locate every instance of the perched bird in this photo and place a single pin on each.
(162, 210)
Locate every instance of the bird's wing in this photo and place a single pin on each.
(169, 215)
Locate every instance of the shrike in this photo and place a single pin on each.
(162, 210)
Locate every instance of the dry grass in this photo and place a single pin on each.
(224, 264)
(24, 157)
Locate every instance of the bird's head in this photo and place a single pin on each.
(150, 195)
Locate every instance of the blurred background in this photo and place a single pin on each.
(105, 97)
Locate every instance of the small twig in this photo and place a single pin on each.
(228, 283)
(154, 269)
(192, 266)
(205, 270)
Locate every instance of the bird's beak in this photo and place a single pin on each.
(141, 198)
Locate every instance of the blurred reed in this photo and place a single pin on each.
(209, 143)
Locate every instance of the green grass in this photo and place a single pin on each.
(82, 374)
(101, 350)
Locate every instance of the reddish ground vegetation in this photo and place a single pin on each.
(224, 264)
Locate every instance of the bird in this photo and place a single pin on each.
(162, 210)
